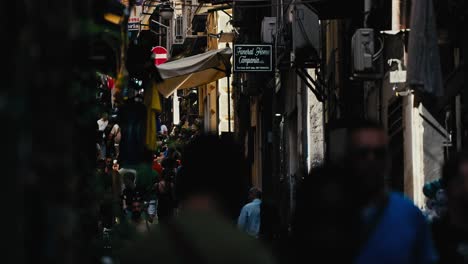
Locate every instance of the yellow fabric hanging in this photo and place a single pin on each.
(155, 103)
(212, 28)
(153, 106)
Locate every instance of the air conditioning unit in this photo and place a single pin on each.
(363, 50)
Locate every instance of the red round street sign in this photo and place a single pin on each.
(160, 55)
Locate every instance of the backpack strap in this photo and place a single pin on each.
(369, 228)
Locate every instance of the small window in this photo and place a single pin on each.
(179, 28)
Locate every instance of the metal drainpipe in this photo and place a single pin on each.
(366, 84)
(396, 14)
(397, 21)
(458, 114)
(229, 101)
(367, 9)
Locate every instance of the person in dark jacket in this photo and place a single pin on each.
(165, 194)
(451, 230)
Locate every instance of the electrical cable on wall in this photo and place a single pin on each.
(378, 54)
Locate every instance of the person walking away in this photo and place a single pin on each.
(104, 193)
(116, 187)
(164, 130)
(450, 231)
(147, 177)
(249, 218)
(325, 219)
(436, 200)
(165, 195)
(103, 121)
(170, 162)
(210, 200)
(128, 192)
(392, 228)
(115, 137)
(102, 125)
(157, 165)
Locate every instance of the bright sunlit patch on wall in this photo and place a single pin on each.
(112, 18)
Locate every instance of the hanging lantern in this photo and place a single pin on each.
(166, 11)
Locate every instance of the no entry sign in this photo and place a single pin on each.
(160, 55)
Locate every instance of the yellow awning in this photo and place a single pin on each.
(146, 15)
(194, 71)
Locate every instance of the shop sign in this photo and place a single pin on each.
(253, 58)
(134, 18)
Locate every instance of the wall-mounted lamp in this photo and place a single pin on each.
(166, 11)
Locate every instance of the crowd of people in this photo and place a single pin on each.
(345, 213)
(133, 197)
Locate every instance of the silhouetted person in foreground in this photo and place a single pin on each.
(326, 219)
(204, 231)
(451, 230)
(166, 198)
(356, 219)
(392, 229)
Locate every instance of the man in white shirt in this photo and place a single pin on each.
(103, 122)
(249, 218)
(115, 135)
(164, 129)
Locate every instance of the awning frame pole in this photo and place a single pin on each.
(228, 75)
(159, 23)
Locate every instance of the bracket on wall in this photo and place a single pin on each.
(318, 92)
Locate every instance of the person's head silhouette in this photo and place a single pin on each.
(213, 170)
